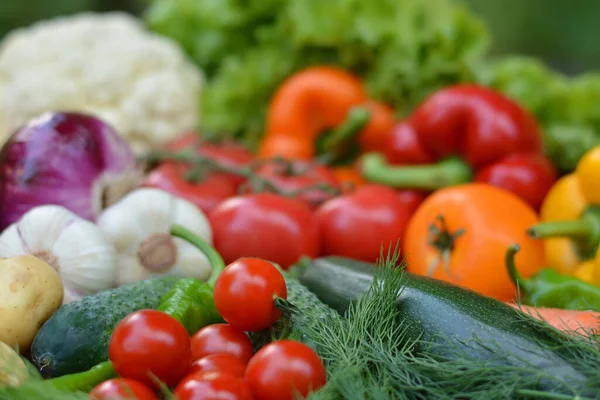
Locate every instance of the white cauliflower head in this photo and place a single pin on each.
(107, 65)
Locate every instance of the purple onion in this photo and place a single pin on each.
(69, 159)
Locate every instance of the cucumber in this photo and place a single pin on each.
(448, 317)
(76, 336)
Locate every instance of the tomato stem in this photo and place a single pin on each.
(440, 237)
(449, 172)
(214, 258)
(513, 272)
(86, 380)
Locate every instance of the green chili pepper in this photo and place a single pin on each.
(549, 288)
(190, 301)
(84, 381)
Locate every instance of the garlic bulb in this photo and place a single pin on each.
(138, 226)
(73, 246)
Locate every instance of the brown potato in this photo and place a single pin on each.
(30, 292)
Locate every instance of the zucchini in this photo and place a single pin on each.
(75, 338)
(441, 317)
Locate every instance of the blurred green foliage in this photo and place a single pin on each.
(563, 33)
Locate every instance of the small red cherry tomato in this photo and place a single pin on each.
(360, 224)
(150, 343)
(224, 363)
(122, 389)
(264, 225)
(244, 293)
(301, 177)
(213, 386)
(282, 369)
(221, 339)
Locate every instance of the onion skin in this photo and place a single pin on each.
(68, 159)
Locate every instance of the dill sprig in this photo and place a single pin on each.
(368, 355)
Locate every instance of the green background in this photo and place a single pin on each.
(564, 33)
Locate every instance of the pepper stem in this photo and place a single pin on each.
(356, 120)
(511, 267)
(214, 258)
(577, 229)
(83, 381)
(449, 172)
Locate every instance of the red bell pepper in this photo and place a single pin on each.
(464, 133)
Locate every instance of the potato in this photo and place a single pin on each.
(13, 370)
(30, 292)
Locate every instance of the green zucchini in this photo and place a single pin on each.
(442, 317)
(76, 337)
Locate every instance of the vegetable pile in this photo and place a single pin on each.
(399, 231)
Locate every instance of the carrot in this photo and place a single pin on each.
(564, 320)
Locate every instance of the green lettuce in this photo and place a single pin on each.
(404, 49)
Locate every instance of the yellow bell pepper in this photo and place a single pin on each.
(570, 221)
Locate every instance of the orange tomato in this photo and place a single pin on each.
(564, 320)
(468, 247)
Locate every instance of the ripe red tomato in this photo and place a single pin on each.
(221, 339)
(358, 224)
(244, 294)
(411, 199)
(219, 362)
(264, 225)
(301, 175)
(227, 153)
(281, 369)
(213, 386)
(150, 342)
(206, 194)
(122, 389)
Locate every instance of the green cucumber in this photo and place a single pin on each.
(442, 317)
(76, 337)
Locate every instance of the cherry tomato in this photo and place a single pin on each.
(206, 194)
(213, 386)
(244, 294)
(264, 225)
(221, 339)
(150, 342)
(122, 389)
(358, 224)
(301, 176)
(219, 362)
(281, 369)
(227, 153)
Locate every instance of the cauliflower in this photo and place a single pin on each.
(107, 65)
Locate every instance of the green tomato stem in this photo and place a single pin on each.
(214, 258)
(448, 172)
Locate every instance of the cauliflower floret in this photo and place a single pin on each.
(106, 64)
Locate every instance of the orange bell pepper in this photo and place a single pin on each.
(318, 99)
(570, 221)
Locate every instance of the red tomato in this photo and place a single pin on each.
(264, 225)
(206, 194)
(244, 294)
(213, 386)
(219, 362)
(300, 176)
(281, 369)
(228, 153)
(122, 389)
(358, 224)
(221, 339)
(411, 199)
(150, 342)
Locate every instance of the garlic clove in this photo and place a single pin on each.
(190, 262)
